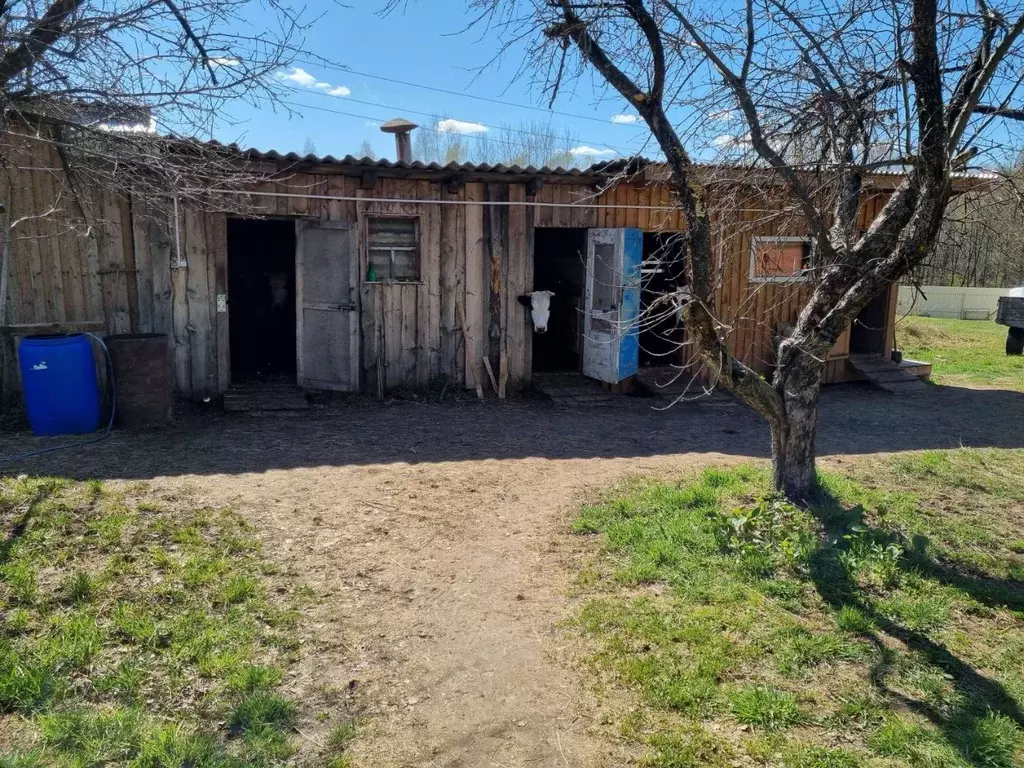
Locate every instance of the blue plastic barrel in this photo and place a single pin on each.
(58, 377)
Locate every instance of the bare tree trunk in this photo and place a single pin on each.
(793, 435)
(850, 265)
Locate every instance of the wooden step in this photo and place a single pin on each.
(665, 380)
(265, 396)
(885, 374)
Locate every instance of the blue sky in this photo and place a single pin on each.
(421, 45)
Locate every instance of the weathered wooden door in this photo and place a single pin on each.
(611, 341)
(328, 317)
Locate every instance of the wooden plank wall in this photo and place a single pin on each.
(56, 276)
(476, 259)
(750, 310)
(85, 258)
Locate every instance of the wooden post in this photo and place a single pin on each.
(475, 285)
(502, 374)
(473, 380)
(490, 375)
(5, 253)
(7, 354)
(496, 221)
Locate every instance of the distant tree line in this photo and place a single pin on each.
(981, 243)
(533, 143)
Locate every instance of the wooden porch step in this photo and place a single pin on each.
(885, 374)
(591, 400)
(575, 390)
(265, 396)
(668, 380)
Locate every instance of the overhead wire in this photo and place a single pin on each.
(599, 144)
(668, 207)
(502, 102)
(376, 119)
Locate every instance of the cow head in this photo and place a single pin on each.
(539, 303)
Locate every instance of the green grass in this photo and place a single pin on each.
(338, 741)
(765, 707)
(137, 635)
(962, 352)
(751, 630)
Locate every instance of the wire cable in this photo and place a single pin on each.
(88, 441)
(475, 137)
(474, 122)
(345, 70)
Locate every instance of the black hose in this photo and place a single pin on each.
(88, 441)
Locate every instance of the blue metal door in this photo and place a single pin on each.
(611, 340)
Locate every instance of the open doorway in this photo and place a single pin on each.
(867, 335)
(559, 265)
(662, 274)
(261, 290)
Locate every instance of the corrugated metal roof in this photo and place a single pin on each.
(604, 168)
(597, 169)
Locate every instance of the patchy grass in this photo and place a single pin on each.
(134, 635)
(338, 741)
(962, 352)
(882, 626)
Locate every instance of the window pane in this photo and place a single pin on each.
(393, 247)
(394, 233)
(404, 266)
(605, 296)
(380, 259)
(785, 259)
(605, 287)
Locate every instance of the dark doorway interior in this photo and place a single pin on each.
(261, 291)
(559, 265)
(867, 336)
(663, 273)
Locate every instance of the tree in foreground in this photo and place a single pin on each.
(819, 95)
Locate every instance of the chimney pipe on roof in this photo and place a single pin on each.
(403, 143)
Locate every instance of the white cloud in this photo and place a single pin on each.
(591, 151)
(372, 124)
(223, 61)
(625, 119)
(463, 127)
(303, 79)
(299, 76)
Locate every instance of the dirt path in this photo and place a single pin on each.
(435, 539)
(449, 580)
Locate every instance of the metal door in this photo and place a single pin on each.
(611, 342)
(328, 316)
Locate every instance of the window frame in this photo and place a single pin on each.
(803, 276)
(417, 250)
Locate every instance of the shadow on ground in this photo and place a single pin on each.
(978, 695)
(855, 419)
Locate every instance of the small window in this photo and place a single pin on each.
(781, 259)
(393, 249)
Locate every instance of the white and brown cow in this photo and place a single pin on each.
(539, 303)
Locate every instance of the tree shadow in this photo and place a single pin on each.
(978, 694)
(986, 589)
(20, 517)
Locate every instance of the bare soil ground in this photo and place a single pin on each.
(435, 539)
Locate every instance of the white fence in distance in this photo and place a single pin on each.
(945, 301)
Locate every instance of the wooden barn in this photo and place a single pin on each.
(363, 275)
